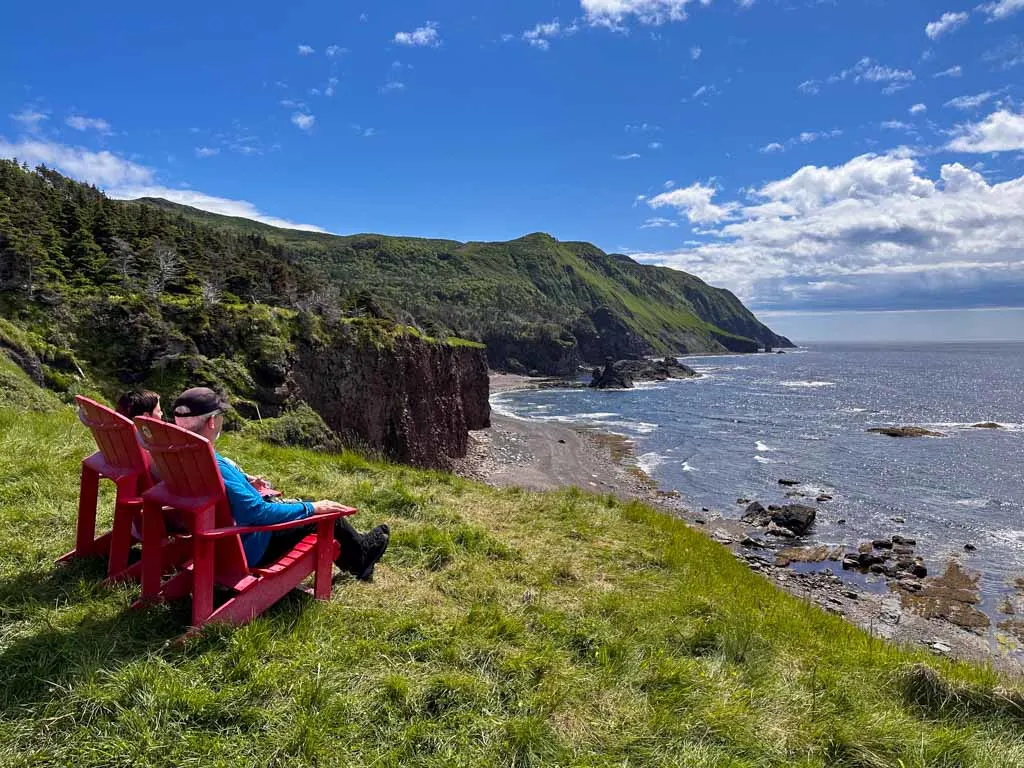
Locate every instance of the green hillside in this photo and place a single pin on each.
(503, 629)
(533, 299)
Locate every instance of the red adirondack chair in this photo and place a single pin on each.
(191, 484)
(121, 460)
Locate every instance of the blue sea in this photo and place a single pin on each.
(751, 420)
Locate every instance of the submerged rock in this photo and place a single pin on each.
(789, 483)
(905, 432)
(987, 425)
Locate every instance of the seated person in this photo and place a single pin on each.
(139, 402)
(201, 411)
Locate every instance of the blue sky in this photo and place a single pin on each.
(811, 155)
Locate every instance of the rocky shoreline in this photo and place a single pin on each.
(880, 585)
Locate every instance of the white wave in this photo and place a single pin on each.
(649, 462)
(764, 460)
(640, 427)
(583, 416)
(969, 425)
(806, 384)
(763, 447)
(853, 410)
(972, 503)
(687, 467)
(1011, 536)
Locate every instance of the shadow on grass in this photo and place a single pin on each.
(44, 653)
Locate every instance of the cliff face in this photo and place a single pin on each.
(410, 399)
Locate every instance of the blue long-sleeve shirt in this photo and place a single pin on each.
(249, 508)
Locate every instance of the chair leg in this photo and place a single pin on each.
(324, 559)
(152, 539)
(88, 495)
(121, 539)
(202, 582)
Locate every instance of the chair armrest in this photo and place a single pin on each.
(238, 530)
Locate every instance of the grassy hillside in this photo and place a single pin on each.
(504, 629)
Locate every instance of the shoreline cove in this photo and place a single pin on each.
(544, 454)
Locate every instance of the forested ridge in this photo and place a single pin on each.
(68, 252)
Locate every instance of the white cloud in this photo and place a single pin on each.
(954, 71)
(873, 230)
(82, 123)
(642, 128)
(805, 137)
(611, 13)
(659, 223)
(124, 179)
(303, 120)
(542, 34)
(1002, 9)
(773, 147)
(104, 169)
(1002, 131)
(948, 22)
(222, 205)
(897, 125)
(30, 118)
(335, 50)
(918, 109)
(695, 203)
(655, 145)
(306, 50)
(392, 86)
(207, 151)
(695, 52)
(630, 156)
(426, 35)
(970, 102)
(810, 87)
(332, 86)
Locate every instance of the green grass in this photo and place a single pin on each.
(504, 629)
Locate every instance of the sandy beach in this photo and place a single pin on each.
(543, 456)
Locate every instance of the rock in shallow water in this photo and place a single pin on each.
(905, 432)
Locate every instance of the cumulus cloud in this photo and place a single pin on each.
(954, 71)
(695, 203)
(303, 120)
(659, 223)
(425, 36)
(810, 87)
(1002, 131)
(948, 22)
(918, 109)
(82, 123)
(773, 147)
(306, 50)
(695, 52)
(207, 151)
(970, 102)
(871, 232)
(611, 13)
(805, 137)
(1002, 9)
(126, 180)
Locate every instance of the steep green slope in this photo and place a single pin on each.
(503, 629)
(528, 299)
(538, 304)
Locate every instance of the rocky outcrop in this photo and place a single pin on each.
(410, 399)
(624, 373)
(905, 432)
(987, 425)
(787, 521)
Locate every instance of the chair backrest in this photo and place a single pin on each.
(190, 477)
(115, 436)
(185, 461)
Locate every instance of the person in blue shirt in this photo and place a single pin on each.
(201, 410)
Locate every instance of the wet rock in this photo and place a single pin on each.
(904, 541)
(905, 432)
(742, 501)
(622, 374)
(952, 596)
(881, 544)
(868, 559)
(919, 570)
(850, 563)
(851, 595)
(789, 482)
(864, 548)
(774, 529)
(899, 520)
(756, 514)
(824, 497)
(910, 585)
(841, 521)
(817, 554)
(700, 521)
(969, 548)
(900, 551)
(987, 425)
(795, 517)
(751, 543)
(796, 495)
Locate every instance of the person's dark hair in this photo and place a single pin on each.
(138, 402)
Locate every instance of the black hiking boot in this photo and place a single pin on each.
(374, 545)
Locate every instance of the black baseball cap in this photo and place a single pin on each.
(200, 401)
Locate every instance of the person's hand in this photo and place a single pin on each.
(324, 507)
(259, 482)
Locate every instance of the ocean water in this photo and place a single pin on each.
(751, 420)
